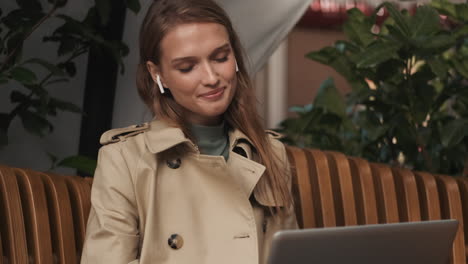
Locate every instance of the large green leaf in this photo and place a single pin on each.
(358, 33)
(73, 28)
(358, 28)
(15, 42)
(461, 31)
(439, 42)
(29, 4)
(439, 67)
(391, 71)
(67, 45)
(401, 21)
(457, 12)
(344, 46)
(325, 55)
(461, 105)
(462, 12)
(377, 53)
(23, 75)
(79, 162)
(460, 67)
(332, 57)
(22, 20)
(330, 99)
(35, 123)
(425, 95)
(394, 34)
(37, 90)
(444, 7)
(65, 106)
(301, 109)
(454, 132)
(47, 65)
(425, 21)
(16, 96)
(372, 132)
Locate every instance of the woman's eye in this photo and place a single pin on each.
(223, 59)
(186, 69)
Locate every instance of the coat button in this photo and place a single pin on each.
(175, 241)
(174, 164)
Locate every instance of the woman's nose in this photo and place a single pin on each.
(210, 76)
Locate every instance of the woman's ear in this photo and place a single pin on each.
(155, 75)
(153, 70)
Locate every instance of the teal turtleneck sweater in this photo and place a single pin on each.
(212, 140)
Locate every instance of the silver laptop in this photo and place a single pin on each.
(428, 242)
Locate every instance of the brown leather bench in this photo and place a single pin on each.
(43, 215)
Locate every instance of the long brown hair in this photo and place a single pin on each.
(241, 114)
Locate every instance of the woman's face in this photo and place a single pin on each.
(199, 68)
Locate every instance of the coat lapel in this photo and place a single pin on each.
(161, 136)
(252, 181)
(246, 172)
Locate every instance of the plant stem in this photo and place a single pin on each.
(413, 124)
(27, 102)
(426, 156)
(17, 109)
(72, 57)
(392, 150)
(15, 50)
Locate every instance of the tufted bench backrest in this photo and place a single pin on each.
(332, 189)
(43, 215)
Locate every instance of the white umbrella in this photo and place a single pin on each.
(263, 24)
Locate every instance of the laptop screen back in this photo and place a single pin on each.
(428, 242)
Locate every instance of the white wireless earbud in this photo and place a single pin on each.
(158, 81)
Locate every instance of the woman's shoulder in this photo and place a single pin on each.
(128, 141)
(151, 137)
(275, 139)
(122, 134)
(123, 147)
(274, 135)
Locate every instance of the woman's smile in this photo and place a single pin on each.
(214, 94)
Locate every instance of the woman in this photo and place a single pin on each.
(203, 182)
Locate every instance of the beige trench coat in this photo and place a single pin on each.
(139, 204)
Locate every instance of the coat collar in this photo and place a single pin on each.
(161, 136)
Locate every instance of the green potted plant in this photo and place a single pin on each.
(409, 100)
(29, 78)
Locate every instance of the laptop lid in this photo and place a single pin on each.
(427, 242)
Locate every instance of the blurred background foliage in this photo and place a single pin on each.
(409, 100)
(29, 78)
